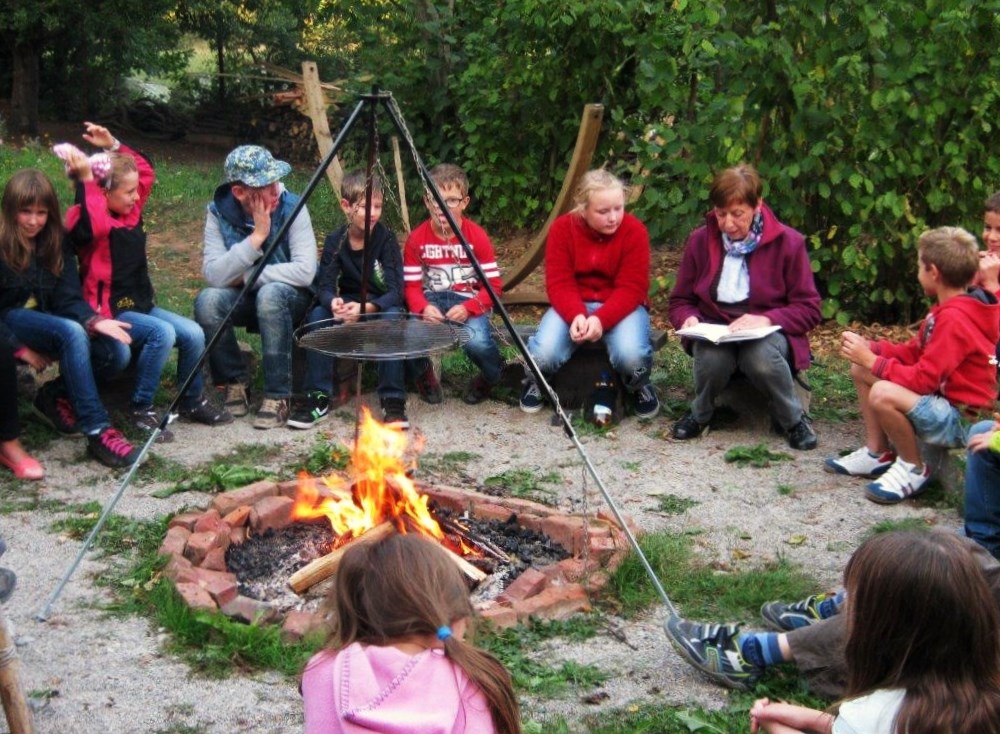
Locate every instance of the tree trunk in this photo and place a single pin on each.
(24, 89)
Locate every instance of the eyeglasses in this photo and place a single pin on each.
(453, 203)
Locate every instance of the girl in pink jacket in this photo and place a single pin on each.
(395, 660)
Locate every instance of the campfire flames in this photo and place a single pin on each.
(378, 490)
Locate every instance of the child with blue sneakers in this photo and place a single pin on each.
(925, 388)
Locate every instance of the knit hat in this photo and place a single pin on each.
(252, 165)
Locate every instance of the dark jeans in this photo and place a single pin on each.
(482, 347)
(10, 428)
(274, 309)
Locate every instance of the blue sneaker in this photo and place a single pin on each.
(531, 397)
(714, 649)
(897, 484)
(788, 617)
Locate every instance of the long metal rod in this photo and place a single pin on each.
(109, 505)
(523, 349)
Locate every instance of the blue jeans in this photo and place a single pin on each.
(274, 310)
(765, 363)
(627, 342)
(320, 367)
(481, 347)
(80, 358)
(937, 422)
(982, 494)
(154, 335)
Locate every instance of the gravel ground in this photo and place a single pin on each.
(109, 675)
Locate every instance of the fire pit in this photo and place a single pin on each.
(260, 553)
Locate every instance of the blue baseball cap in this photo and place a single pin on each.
(253, 165)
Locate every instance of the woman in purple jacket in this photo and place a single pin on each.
(746, 269)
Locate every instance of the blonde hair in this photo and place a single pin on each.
(448, 174)
(121, 166)
(31, 187)
(406, 585)
(597, 179)
(953, 251)
(352, 187)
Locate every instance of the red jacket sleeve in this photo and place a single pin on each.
(482, 248)
(934, 363)
(560, 272)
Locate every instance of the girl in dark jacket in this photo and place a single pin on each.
(43, 318)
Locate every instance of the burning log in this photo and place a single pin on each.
(471, 572)
(323, 568)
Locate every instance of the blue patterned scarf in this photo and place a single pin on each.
(749, 243)
(734, 280)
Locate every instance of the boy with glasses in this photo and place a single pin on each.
(440, 282)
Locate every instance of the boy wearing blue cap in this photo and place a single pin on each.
(248, 209)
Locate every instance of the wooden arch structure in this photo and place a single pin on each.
(583, 155)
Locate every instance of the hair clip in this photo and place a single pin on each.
(444, 632)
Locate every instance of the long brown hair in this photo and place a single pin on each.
(405, 585)
(922, 618)
(30, 187)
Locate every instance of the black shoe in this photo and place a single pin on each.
(531, 397)
(314, 409)
(54, 408)
(112, 449)
(207, 413)
(645, 402)
(687, 427)
(146, 419)
(394, 413)
(477, 391)
(801, 436)
(8, 580)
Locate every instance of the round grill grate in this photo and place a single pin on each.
(382, 337)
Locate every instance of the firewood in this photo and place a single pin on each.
(475, 575)
(15, 705)
(323, 568)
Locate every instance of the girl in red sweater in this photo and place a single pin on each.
(597, 280)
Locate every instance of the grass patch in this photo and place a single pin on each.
(526, 484)
(541, 678)
(671, 504)
(703, 592)
(834, 397)
(759, 456)
(451, 463)
(906, 523)
(786, 490)
(325, 457)
(237, 468)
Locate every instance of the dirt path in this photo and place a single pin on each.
(109, 675)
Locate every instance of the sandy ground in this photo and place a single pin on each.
(110, 675)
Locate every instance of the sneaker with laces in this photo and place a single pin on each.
(205, 412)
(394, 413)
(860, 463)
(714, 649)
(273, 413)
(645, 403)
(111, 448)
(897, 483)
(314, 409)
(477, 390)
(531, 397)
(146, 420)
(687, 427)
(236, 402)
(788, 617)
(428, 385)
(801, 436)
(56, 410)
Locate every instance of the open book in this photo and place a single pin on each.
(720, 333)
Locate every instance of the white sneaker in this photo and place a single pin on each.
(900, 482)
(860, 463)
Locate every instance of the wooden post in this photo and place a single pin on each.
(403, 208)
(316, 109)
(15, 705)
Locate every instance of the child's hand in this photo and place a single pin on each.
(117, 330)
(989, 271)
(33, 359)
(348, 312)
(99, 135)
(432, 313)
(981, 441)
(854, 348)
(77, 162)
(458, 313)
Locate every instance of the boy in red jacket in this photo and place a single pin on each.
(440, 283)
(924, 388)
